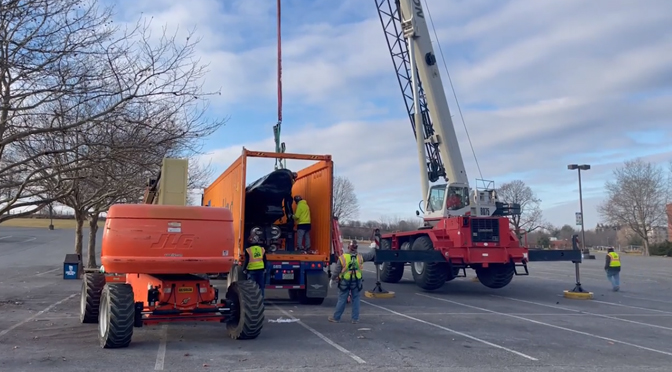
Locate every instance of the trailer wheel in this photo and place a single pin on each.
(92, 287)
(495, 276)
(390, 272)
(428, 275)
(117, 316)
(247, 319)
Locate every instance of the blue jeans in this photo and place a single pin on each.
(615, 278)
(343, 299)
(258, 277)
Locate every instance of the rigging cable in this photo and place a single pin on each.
(279, 147)
(459, 109)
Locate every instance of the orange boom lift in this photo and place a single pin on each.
(155, 258)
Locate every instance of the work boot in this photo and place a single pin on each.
(331, 319)
(616, 288)
(354, 321)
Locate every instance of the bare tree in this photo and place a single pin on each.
(530, 218)
(346, 205)
(65, 68)
(636, 199)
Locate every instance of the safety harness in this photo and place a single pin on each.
(351, 272)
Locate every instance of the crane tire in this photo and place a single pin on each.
(390, 272)
(92, 287)
(116, 316)
(248, 313)
(496, 276)
(433, 274)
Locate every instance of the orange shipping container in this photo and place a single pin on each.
(314, 184)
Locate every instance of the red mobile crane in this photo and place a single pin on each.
(463, 227)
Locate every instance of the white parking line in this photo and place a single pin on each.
(161, 353)
(47, 272)
(549, 325)
(6, 331)
(585, 312)
(5, 237)
(323, 337)
(633, 307)
(452, 331)
(647, 299)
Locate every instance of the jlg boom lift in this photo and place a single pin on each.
(155, 258)
(462, 227)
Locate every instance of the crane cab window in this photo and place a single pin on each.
(457, 198)
(436, 197)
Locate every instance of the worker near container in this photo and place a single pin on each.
(348, 274)
(612, 266)
(255, 263)
(302, 218)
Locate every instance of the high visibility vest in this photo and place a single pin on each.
(256, 254)
(346, 271)
(615, 260)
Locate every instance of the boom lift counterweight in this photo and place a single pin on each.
(463, 227)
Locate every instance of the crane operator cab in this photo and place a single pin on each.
(446, 200)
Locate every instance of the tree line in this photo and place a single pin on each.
(88, 109)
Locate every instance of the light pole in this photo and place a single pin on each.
(579, 168)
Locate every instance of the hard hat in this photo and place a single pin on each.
(297, 198)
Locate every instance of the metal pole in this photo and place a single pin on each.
(583, 230)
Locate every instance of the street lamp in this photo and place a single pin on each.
(579, 168)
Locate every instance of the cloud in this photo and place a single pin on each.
(541, 85)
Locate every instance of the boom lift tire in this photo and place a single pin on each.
(248, 314)
(390, 272)
(428, 275)
(117, 316)
(235, 275)
(92, 287)
(496, 275)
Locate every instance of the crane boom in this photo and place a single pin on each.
(411, 49)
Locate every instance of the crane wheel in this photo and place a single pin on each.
(495, 276)
(92, 287)
(428, 275)
(116, 316)
(390, 272)
(247, 319)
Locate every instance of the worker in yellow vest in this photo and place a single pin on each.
(348, 273)
(613, 268)
(254, 266)
(302, 217)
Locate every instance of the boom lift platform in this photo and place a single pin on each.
(154, 260)
(463, 227)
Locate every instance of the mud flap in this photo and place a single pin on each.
(317, 284)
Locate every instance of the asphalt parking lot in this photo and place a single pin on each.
(465, 326)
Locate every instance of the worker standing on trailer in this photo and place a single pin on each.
(302, 218)
(348, 274)
(255, 263)
(613, 268)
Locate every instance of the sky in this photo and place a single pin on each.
(541, 84)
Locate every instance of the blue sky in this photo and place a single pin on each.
(541, 84)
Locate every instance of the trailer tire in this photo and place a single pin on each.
(248, 310)
(496, 275)
(428, 275)
(390, 272)
(92, 287)
(116, 316)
